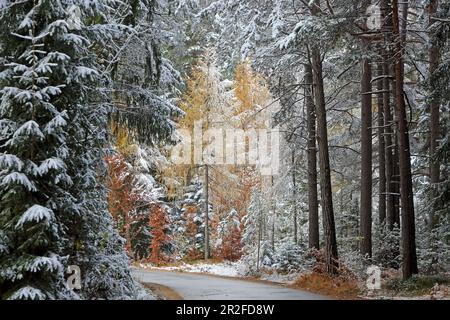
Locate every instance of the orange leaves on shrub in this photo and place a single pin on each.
(192, 229)
(343, 286)
(333, 286)
(121, 199)
(320, 266)
(158, 223)
(231, 248)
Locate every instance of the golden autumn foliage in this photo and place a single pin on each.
(123, 142)
(252, 96)
(196, 104)
(241, 105)
(232, 185)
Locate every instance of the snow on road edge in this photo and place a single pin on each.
(227, 269)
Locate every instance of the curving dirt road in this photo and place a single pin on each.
(205, 287)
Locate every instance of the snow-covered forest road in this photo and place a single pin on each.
(205, 287)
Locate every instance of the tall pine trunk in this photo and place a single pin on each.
(433, 56)
(381, 148)
(331, 253)
(272, 234)
(366, 160)
(406, 193)
(294, 196)
(312, 161)
(396, 180)
(388, 121)
(206, 213)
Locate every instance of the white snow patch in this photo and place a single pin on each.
(49, 263)
(28, 293)
(36, 213)
(289, 278)
(229, 269)
(85, 72)
(10, 161)
(29, 128)
(18, 178)
(51, 163)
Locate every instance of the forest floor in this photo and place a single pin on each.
(392, 287)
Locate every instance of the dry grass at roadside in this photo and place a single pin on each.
(338, 287)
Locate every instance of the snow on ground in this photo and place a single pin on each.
(289, 278)
(438, 292)
(228, 269)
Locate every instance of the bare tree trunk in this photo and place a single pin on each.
(395, 160)
(396, 181)
(403, 21)
(407, 202)
(331, 253)
(433, 55)
(206, 212)
(258, 252)
(365, 227)
(391, 162)
(272, 240)
(388, 121)
(272, 236)
(294, 198)
(312, 161)
(390, 188)
(381, 149)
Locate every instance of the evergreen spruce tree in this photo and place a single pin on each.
(53, 120)
(34, 172)
(186, 215)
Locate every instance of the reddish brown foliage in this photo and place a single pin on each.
(344, 285)
(121, 200)
(158, 223)
(231, 248)
(320, 266)
(191, 232)
(231, 195)
(334, 286)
